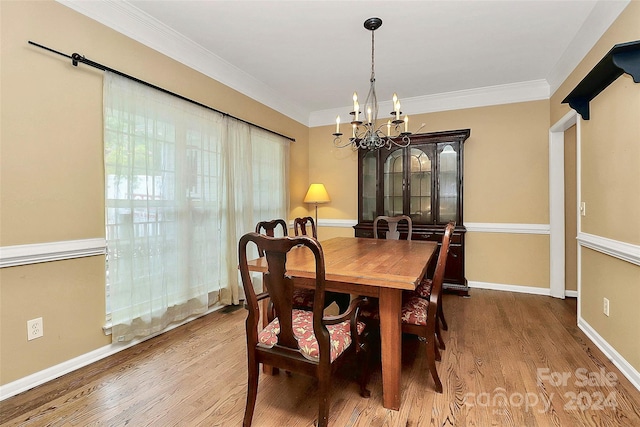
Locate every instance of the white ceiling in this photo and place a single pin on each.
(306, 58)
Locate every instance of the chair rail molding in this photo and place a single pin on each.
(615, 248)
(489, 227)
(480, 227)
(338, 223)
(12, 256)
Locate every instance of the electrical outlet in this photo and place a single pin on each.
(34, 329)
(605, 308)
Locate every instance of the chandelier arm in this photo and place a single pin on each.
(337, 142)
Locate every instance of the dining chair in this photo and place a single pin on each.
(420, 311)
(303, 298)
(392, 225)
(420, 316)
(424, 288)
(301, 341)
(269, 228)
(300, 226)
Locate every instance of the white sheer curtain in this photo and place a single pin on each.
(183, 183)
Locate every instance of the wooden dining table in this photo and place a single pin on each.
(372, 267)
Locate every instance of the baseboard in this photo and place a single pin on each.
(510, 288)
(518, 288)
(26, 383)
(616, 358)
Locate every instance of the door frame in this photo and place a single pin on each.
(557, 267)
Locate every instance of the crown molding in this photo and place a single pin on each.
(534, 90)
(139, 26)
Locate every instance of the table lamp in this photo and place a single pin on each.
(317, 194)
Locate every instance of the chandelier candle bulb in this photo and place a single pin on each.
(406, 123)
(369, 114)
(396, 105)
(338, 124)
(389, 127)
(355, 101)
(356, 107)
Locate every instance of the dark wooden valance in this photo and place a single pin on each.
(622, 58)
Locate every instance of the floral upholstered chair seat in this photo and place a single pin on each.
(340, 335)
(423, 290)
(414, 310)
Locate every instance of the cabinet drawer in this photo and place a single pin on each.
(456, 238)
(431, 237)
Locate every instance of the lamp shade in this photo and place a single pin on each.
(317, 194)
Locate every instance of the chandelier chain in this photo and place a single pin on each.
(373, 58)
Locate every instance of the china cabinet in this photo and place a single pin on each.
(424, 181)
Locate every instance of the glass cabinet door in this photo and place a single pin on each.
(369, 181)
(422, 180)
(420, 185)
(448, 182)
(393, 185)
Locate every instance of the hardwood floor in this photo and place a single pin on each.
(511, 360)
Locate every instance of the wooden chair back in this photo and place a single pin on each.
(392, 225)
(443, 254)
(268, 228)
(286, 353)
(300, 226)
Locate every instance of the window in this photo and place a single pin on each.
(183, 183)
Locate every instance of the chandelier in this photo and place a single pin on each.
(365, 134)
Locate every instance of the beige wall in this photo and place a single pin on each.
(508, 259)
(337, 169)
(51, 170)
(610, 182)
(610, 172)
(505, 181)
(51, 183)
(506, 173)
(69, 296)
(604, 276)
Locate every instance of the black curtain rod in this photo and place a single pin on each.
(76, 58)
